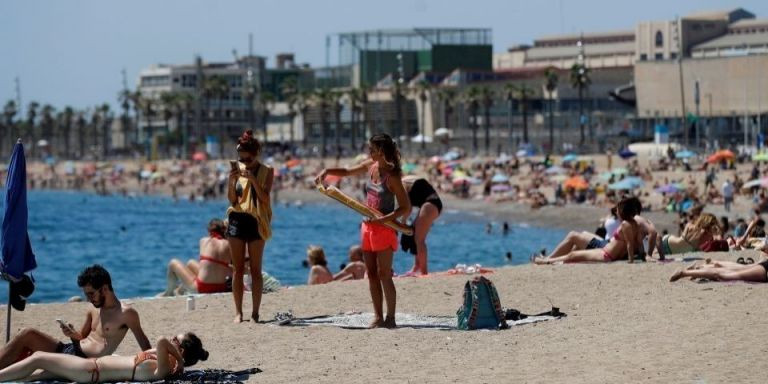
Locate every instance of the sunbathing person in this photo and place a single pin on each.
(694, 235)
(355, 270)
(753, 237)
(166, 360)
(575, 241)
(318, 266)
(211, 273)
(726, 271)
(624, 241)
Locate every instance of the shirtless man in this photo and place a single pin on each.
(104, 328)
(355, 270)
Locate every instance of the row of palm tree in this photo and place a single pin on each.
(46, 127)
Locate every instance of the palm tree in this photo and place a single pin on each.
(550, 84)
(184, 102)
(96, 121)
(266, 100)
(486, 97)
(106, 124)
(290, 90)
(65, 122)
(135, 98)
(522, 93)
(447, 97)
(47, 123)
(30, 133)
(147, 107)
(580, 81)
(337, 108)
(472, 102)
(218, 87)
(423, 89)
(398, 96)
(124, 97)
(509, 95)
(322, 98)
(304, 99)
(170, 106)
(9, 112)
(80, 124)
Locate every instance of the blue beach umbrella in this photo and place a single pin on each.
(499, 178)
(570, 157)
(626, 153)
(685, 154)
(627, 184)
(18, 257)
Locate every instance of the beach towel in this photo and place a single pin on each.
(404, 320)
(196, 376)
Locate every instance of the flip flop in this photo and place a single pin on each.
(740, 260)
(750, 260)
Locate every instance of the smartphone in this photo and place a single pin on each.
(63, 323)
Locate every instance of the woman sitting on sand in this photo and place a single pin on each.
(726, 271)
(694, 235)
(625, 239)
(211, 273)
(166, 360)
(318, 266)
(576, 241)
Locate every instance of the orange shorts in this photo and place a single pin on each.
(377, 237)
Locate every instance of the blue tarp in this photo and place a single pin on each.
(18, 257)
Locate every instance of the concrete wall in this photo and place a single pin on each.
(728, 86)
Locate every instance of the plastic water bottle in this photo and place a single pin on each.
(190, 303)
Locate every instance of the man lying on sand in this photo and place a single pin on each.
(104, 328)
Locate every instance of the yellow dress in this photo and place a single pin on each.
(248, 203)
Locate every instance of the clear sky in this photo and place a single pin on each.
(71, 52)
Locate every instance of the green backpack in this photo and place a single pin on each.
(481, 308)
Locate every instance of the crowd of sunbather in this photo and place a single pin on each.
(626, 235)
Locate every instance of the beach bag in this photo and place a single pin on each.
(481, 308)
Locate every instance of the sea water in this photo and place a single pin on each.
(135, 237)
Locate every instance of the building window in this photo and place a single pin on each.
(659, 56)
(659, 39)
(643, 57)
(673, 55)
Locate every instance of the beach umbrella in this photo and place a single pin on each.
(626, 153)
(720, 156)
(500, 188)
(670, 188)
(145, 174)
(755, 183)
(627, 184)
(17, 255)
(499, 178)
(555, 170)
(763, 156)
(570, 157)
(576, 182)
(451, 155)
(443, 132)
(685, 154)
(199, 156)
(292, 163)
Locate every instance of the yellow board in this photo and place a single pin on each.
(361, 208)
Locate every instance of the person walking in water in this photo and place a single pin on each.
(249, 215)
(379, 242)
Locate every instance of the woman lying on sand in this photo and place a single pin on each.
(167, 359)
(625, 239)
(694, 235)
(726, 271)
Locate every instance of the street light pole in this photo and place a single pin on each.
(697, 100)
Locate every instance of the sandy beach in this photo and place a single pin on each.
(625, 323)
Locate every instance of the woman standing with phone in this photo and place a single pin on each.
(249, 217)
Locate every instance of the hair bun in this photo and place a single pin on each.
(204, 355)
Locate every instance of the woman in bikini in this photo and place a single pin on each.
(421, 194)
(249, 215)
(168, 359)
(726, 271)
(694, 235)
(211, 273)
(379, 242)
(624, 241)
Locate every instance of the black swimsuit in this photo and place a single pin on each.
(422, 192)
